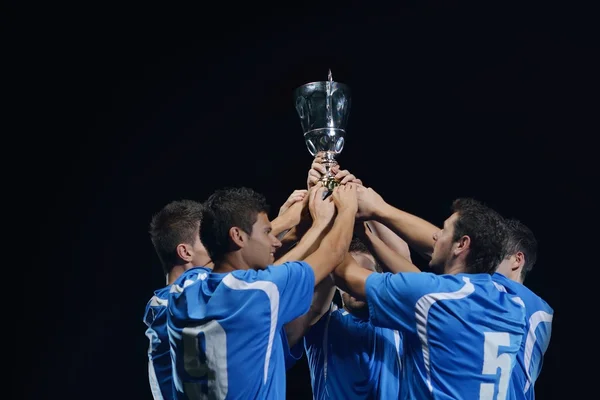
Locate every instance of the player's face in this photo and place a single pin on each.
(262, 244)
(442, 248)
(367, 262)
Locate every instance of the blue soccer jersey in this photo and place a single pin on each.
(351, 359)
(226, 331)
(538, 328)
(461, 334)
(159, 357)
(160, 371)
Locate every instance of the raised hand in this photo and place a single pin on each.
(345, 197)
(317, 170)
(368, 202)
(296, 196)
(321, 210)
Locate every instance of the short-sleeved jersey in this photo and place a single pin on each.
(159, 357)
(350, 359)
(225, 331)
(461, 334)
(538, 328)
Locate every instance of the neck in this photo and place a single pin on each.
(455, 267)
(512, 275)
(178, 270)
(175, 273)
(230, 262)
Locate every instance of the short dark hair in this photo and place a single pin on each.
(521, 238)
(358, 246)
(177, 222)
(223, 210)
(487, 231)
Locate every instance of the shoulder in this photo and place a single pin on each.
(160, 296)
(531, 300)
(190, 276)
(275, 272)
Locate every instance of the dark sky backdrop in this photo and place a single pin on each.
(129, 109)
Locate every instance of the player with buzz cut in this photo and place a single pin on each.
(175, 235)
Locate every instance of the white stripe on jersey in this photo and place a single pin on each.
(422, 312)
(179, 289)
(272, 293)
(535, 319)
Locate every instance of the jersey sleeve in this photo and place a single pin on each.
(295, 283)
(396, 301)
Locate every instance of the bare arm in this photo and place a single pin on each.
(417, 232)
(335, 244)
(391, 260)
(308, 244)
(352, 278)
(288, 220)
(389, 238)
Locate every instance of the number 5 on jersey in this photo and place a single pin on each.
(492, 361)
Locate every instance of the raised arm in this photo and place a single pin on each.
(290, 213)
(351, 277)
(417, 232)
(322, 212)
(389, 259)
(389, 238)
(335, 244)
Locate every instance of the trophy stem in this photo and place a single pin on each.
(328, 179)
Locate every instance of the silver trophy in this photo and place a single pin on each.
(324, 108)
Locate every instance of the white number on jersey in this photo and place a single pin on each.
(214, 368)
(492, 361)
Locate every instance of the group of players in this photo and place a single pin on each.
(247, 297)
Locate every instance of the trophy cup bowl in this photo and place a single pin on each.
(324, 108)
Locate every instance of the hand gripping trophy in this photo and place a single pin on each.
(323, 108)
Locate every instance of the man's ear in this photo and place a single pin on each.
(238, 236)
(464, 244)
(184, 252)
(519, 261)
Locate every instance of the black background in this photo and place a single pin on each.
(121, 109)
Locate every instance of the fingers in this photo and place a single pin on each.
(313, 177)
(318, 167)
(316, 190)
(345, 176)
(297, 195)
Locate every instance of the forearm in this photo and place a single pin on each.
(282, 224)
(351, 277)
(308, 244)
(417, 232)
(390, 260)
(335, 244)
(389, 238)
